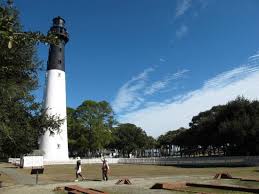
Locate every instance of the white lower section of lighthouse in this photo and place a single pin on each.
(54, 144)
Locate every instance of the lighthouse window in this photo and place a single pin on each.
(60, 49)
(59, 61)
(58, 146)
(51, 132)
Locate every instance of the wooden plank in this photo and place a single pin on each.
(169, 186)
(176, 186)
(74, 192)
(83, 190)
(123, 181)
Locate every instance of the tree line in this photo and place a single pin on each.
(92, 128)
(229, 130)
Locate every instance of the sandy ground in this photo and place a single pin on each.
(139, 185)
(143, 177)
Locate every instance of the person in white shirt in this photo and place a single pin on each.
(105, 169)
(78, 169)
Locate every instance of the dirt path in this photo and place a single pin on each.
(139, 185)
(20, 179)
(25, 183)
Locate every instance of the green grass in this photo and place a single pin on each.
(249, 184)
(62, 173)
(208, 190)
(4, 178)
(66, 173)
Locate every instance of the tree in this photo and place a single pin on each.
(129, 138)
(89, 127)
(239, 127)
(167, 141)
(77, 141)
(150, 145)
(231, 129)
(21, 118)
(11, 31)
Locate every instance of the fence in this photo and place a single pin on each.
(195, 161)
(83, 161)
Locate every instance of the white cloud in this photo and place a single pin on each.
(230, 76)
(155, 87)
(160, 117)
(179, 74)
(143, 75)
(128, 94)
(162, 60)
(181, 31)
(134, 92)
(161, 84)
(182, 6)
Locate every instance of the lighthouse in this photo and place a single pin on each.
(54, 143)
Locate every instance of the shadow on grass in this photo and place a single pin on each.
(85, 180)
(210, 166)
(92, 179)
(11, 167)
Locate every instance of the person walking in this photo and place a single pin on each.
(105, 169)
(78, 169)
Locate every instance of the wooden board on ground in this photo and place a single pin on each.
(223, 175)
(169, 186)
(176, 186)
(123, 181)
(74, 189)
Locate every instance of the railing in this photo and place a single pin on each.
(192, 161)
(83, 161)
(196, 161)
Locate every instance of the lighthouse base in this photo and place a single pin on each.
(54, 147)
(54, 143)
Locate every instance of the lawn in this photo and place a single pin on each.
(4, 178)
(62, 173)
(142, 177)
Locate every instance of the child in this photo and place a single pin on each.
(78, 169)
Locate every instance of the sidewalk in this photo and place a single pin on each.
(20, 179)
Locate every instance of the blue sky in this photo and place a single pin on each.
(157, 62)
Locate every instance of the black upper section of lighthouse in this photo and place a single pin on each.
(56, 58)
